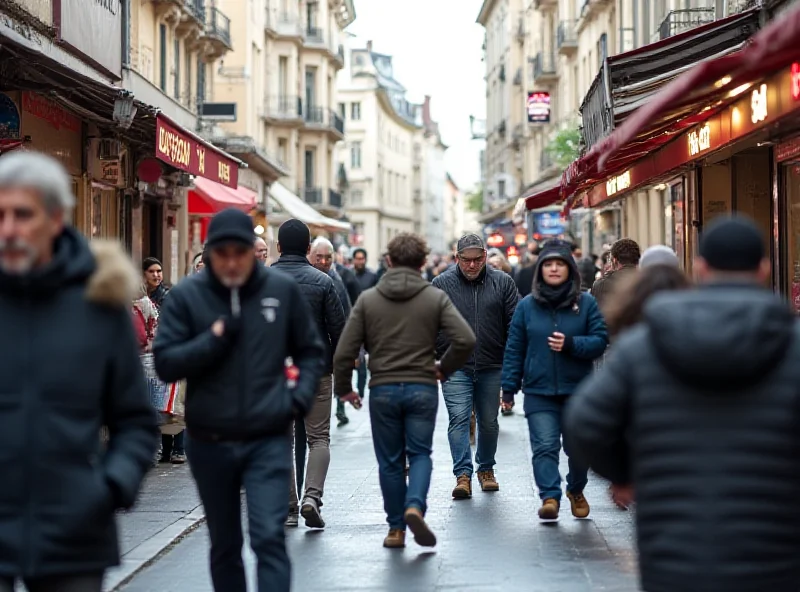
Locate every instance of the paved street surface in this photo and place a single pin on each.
(490, 543)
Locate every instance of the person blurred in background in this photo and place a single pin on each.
(625, 255)
(659, 255)
(153, 275)
(498, 261)
(588, 271)
(197, 263)
(262, 250)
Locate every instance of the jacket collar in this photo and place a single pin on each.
(478, 280)
(284, 258)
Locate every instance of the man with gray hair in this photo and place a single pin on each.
(69, 363)
(321, 257)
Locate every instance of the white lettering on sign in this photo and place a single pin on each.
(758, 104)
(175, 148)
(618, 183)
(700, 140)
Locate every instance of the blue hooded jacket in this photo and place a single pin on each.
(529, 363)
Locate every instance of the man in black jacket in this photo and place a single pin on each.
(697, 411)
(69, 363)
(294, 244)
(487, 299)
(228, 331)
(348, 277)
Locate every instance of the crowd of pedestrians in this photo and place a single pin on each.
(691, 413)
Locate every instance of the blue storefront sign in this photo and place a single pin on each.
(548, 223)
(9, 118)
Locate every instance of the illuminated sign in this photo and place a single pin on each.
(796, 81)
(699, 140)
(758, 104)
(538, 107)
(618, 183)
(495, 240)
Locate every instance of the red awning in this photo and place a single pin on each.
(544, 198)
(691, 98)
(207, 198)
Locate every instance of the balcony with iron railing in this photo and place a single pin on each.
(284, 109)
(283, 24)
(314, 37)
(218, 32)
(567, 38)
(197, 9)
(334, 199)
(544, 67)
(678, 21)
(312, 195)
(321, 118)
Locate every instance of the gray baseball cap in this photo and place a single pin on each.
(470, 241)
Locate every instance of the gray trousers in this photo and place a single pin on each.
(82, 583)
(318, 435)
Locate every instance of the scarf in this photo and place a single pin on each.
(556, 296)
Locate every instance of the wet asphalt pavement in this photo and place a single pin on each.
(493, 542)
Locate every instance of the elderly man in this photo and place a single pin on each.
(262, 250)
(321, 257)
(69, 363)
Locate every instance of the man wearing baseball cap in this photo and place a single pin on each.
(486, 298)
(228, 332)
(696, 413)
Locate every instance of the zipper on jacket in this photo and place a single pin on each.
(554, 314)
(241, 416)
(29, 563)
(477, 322)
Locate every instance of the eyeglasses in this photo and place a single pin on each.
(472, 260)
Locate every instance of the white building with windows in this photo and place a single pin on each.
(384, 173)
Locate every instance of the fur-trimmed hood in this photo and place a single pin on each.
(114, 281)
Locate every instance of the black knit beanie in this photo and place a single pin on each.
(294, 238)
(732, 244)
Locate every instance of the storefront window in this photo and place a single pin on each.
(792, 188)
(104, 214)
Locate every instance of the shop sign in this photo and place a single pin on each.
(758, 104)
(795, 81)
(548, 223)
(618, 183)
(186, 153)
(788, 150)
(93, 28)
(50, 111)
(538, 107)
(110, 171)
(699, 140)
(9, 118)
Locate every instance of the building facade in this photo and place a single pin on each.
(382, 167)
(433, 177)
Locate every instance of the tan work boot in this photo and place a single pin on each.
(396, 539)
(463, 489)
(549, 509)
(423, 535)
(580, 507)
(488, 481)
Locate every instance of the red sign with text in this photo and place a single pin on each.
(189, 154)
(796, 81)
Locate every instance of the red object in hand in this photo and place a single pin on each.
(292, 372)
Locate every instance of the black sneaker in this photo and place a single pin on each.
(177, 459)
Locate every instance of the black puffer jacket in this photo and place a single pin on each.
(69, 364)
(350, 282)
(487, 304)
(236, 387)
(320, 293)
(699, 408)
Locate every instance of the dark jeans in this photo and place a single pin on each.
(361, 378)
(77, 583)
(403, 417)
(545, 433)
(172, 445)
(221, 469)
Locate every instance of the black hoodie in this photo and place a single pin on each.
(699, 408)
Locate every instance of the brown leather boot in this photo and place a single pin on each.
(580, 507)
(463, 488)
(549, 509)
(488, 481)
(423, 535)
(396, 539)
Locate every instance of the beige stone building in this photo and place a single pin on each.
(382, 167)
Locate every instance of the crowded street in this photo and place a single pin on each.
(491, 543)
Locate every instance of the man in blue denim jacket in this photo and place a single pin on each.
(556, 333)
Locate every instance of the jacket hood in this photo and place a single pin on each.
(104, 268)
(401, 283)
(728, 335)
(536, 288)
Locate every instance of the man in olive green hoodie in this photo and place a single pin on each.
(398, 321)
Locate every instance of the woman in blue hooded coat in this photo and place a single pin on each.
(556, 333)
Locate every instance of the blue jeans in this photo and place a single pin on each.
(262, 467)
(403, 417)
(545, 432)
(462, 391)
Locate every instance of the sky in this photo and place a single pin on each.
(436, 50)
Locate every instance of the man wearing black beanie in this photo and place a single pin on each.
(696, 412)
(294, 244)
(228, 332)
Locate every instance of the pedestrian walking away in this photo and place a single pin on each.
(486, 298)
(696, 413)
(399, 321)
(69, 364)
(366, 279)
(319, 292)
(623, 260)
(556, 334)
(228, 331)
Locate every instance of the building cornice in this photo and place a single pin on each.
(486, 10)
(386, 103)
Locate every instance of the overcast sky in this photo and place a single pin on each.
(436, 49)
